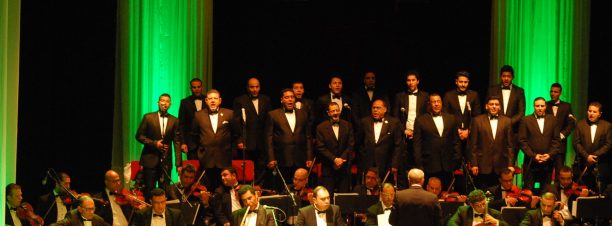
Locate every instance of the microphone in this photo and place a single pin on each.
(346, 106)
(572, 117)
(403, 110)
(243, 115)
(44, 180)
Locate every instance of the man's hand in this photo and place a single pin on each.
(474, 170)
(309, 163)
(463, 134)
(272, 164)
(511, 168)
(511, 201)
(338, 162)
(592, 159)
(490, 220)
(409, 133)
(161, 146)
(558, 217)
(184, 148)
(241, 146)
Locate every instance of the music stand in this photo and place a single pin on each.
(593, 207)
(449, 208)
(189, 213)
(283, 202)
(513, 215)
(354, 203)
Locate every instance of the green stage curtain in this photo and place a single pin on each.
(9, 94)
(161, 46)
(546, 41)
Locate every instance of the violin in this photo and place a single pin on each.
(72, 198)
(133, 198)
(453, 197)
(575, 190)
(524, 196)
(305, 194)
(26, 212)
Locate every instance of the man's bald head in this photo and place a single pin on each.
(300, 178)
(112, 180)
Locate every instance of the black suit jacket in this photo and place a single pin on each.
(254, 122)
(565, 123)
(472, 108)
(149, 132)
(46, 203)
(602, 142)
(464, 217)
(385, 153)
(350, 114)
(373, 212)
(186, 114)
(172, 216)
(433, 151)
(106, 212)
(516, 103)
(401, 102)
(329, 148)
(491, 155)
(215, 150)
(287, 147)
(534, 142)
(265, 216)
(73, 218)
(534, 217)
(363, 102)
(306, 216)
(222, 205)
(308, 107)
(415, 206)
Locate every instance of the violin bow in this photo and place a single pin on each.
(314, 160)
(451, 185)
(193, 187)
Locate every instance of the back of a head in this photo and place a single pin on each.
(416, 176)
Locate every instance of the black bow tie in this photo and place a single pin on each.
(84, 219)
(289, 111)
(163, 114)
(491, 117)
(377, 120)
(461, 93)
(479, 215)
(158, 215)
(211, 112)
(370, 88)
(334, 122)
(198, 97)
(13, 208)
(554, 104)
(113, 193)
(592, 123)
(253, 211)
(547, 215)
(319, 212)
(336, 96)
(540, 117)
(412, 93)
(298, 99)
(254, 97)
(505, 87)
(436, 114)
(388, 208)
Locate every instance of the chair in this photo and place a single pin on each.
(250, 170)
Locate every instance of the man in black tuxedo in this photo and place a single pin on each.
(436, 142)
(84, 212)
(186, 191)
(51, 206)
(189, 106)
(464, 104)
(218, 135)
(408, 106)
(547, 214)
(288, 137)
(512, 96)
(321, 211)
(251, 110)
(258, 215)
(567, 191)
(565, 120)
(157, 132)
(592, 142)
(226, 200)
(505, 194)
(385, 205)
(348, 108)
(371, 185)
(539, 139)
(302, 102)
(415, 206)
(14, 196)
(475, 213)
(365, 95)
(335, 141)
(381, 140)
(158, 213)
(112, 212)
(490, 152)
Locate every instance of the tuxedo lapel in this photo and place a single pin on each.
(207, 122)
(156, 125)
(469, 219)
(487, 124)
(286, 121)
(598, 132)
(383, 130)
(370, 128)
(168, 217)
(330, 131)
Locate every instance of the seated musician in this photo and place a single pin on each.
(226, 199)
(257, 215)
(434, 185)
(13, 201)
(371, 185)
(299, 189)
(186, 189)
(158, 214)
(508, 194)
(567, 190)
(113, 212)
(82, 215)
(51, 206)
(321, 212)
(384, 206)
(547, 214)
(477, 213)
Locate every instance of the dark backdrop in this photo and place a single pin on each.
(68, 64)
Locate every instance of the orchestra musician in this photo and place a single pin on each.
(226, 199)
(256, 214)
(14, 197)
(371, 185)
(477, 213)
(508, 194)
(114, 213)
(158, 214)
(54, 205)
(434, 185)
(83, 215)
(321, 212)
(567, 190)
(384, 206)
(188, 189)
(547, 214)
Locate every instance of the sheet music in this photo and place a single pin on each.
(383, 219)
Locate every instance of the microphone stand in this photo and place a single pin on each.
(285, 186)
(244, 137)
